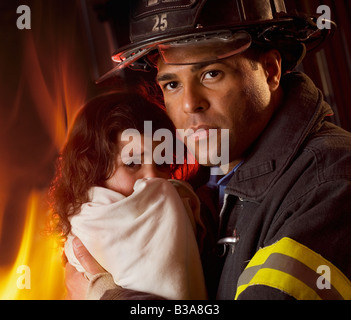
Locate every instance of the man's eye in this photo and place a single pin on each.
(212, 74)
(171, 85)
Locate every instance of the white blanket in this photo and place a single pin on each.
(147, 240)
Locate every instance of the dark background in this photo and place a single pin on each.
(48, 72)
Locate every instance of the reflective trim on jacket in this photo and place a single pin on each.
(296, 183)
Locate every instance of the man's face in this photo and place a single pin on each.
(229, 94)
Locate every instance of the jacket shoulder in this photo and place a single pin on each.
(331, 148)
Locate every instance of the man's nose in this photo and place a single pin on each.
(194, 99)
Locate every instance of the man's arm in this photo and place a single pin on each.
(305, 257)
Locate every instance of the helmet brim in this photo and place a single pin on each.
(293, 36)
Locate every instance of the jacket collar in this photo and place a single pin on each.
(300, 114)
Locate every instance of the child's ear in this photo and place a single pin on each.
(272, 64)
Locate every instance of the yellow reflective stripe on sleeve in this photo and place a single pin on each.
(292, 268)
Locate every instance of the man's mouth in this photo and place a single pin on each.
(200, 132)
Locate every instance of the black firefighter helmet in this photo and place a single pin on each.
(227, 27)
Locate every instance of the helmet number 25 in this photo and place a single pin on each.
(161, 22)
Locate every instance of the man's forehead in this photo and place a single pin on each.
(193, 52)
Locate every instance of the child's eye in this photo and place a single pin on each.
(132, 165)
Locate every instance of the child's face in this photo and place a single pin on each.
(128, 172)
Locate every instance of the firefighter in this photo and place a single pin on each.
(281, 228)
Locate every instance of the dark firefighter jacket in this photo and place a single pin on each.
(289, 206)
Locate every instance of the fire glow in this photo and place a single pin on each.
(44, 87)
(37, 272)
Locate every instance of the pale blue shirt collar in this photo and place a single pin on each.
(222, 183)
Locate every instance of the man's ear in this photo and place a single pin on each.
(272, 65)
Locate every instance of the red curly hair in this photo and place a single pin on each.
(88, 156)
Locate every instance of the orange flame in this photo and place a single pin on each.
(37, 272)
(52, 80)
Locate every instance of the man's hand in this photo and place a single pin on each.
(85, 258)
(76, 282)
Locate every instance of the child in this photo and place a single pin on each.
(139, 224)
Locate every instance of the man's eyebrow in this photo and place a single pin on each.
(199, 66)
(196, 67)
(166, 77)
